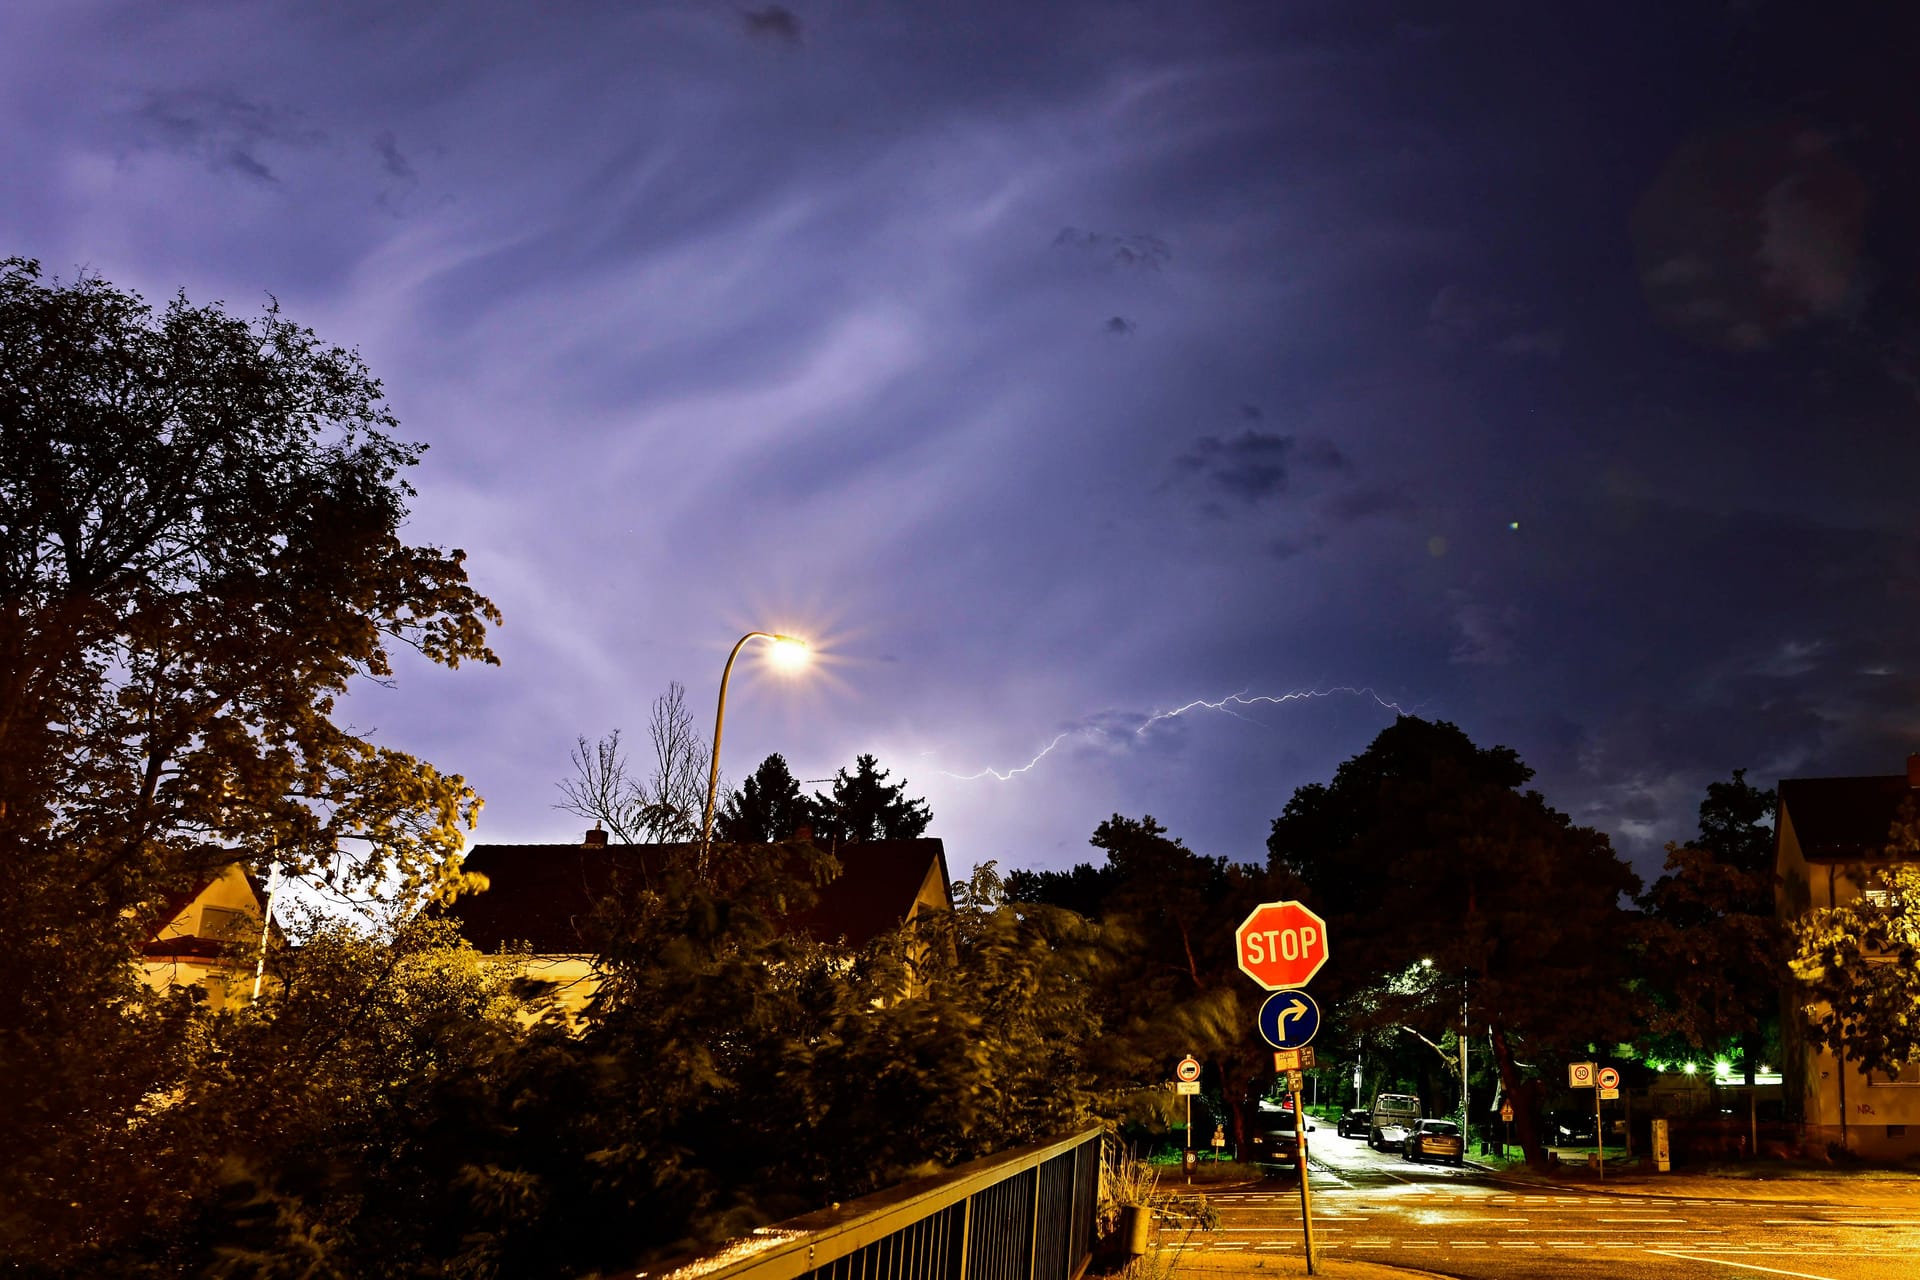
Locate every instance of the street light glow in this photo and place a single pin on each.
(789, 654)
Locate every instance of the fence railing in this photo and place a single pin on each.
(1022, 1215)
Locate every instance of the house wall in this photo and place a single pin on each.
(1839, 1103)
(226, 979)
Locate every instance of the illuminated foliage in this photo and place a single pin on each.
(200, 554)
(1859, 962)
(1169, 915)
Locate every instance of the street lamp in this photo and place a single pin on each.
(789, 654)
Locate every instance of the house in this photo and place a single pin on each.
(543, 895)
(209, 935)
(1830, 838)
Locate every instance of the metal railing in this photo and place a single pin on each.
(1022, 1215)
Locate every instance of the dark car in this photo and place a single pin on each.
(1276, 1137)
(1355, 1123)
(1439, 1139)
(1570, 1128)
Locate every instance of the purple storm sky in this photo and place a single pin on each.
(1550, 369)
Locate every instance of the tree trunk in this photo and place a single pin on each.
(1523, 1096)
(1233, 1091)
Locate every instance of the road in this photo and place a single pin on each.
(1461, 1222)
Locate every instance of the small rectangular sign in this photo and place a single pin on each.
(1186, 1086)
(1579, 1075)
(1608, 1095)
(1219, 1141)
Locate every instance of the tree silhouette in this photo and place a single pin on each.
(768, 807)
(865, 806)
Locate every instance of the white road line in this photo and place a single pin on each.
(1750, 1266)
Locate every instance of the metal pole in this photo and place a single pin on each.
(1306, 1196)
(719, 722)
(1466, 1113)
(1186, 1161)
(1599, 1131)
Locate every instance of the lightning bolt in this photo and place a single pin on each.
(1005, 774)
(1225, 705)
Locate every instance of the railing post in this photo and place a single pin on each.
(966, 1236)
(1033, 1235)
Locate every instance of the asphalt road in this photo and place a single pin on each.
(1460, 1222)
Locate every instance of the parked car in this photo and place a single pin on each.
(1276, 1135)
(1354, 1123)
(1570, 1128)
(1390, 1118)
(1437, 1138)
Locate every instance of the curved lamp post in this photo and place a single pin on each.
(789, 652)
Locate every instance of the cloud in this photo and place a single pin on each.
(1363, 504)
(1120, 326)
(1748, 234)
(1484, 633)
(223, 130)
(1128, 252)
(1460, 316)
(391, 159)
(1256, 464)
(775, 22)
(1543, 343)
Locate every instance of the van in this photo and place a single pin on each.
(1397, 1112)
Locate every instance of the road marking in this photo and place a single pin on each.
(1750, 1266)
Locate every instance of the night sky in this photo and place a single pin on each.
(1551, 369)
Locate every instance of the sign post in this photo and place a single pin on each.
(1306, 1196)
(1606, 1085)
(1581, 1075)
(1187, 1074)
(1281, 945)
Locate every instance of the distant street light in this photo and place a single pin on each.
(790, 653)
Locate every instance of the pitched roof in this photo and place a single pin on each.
(544, 894)
(1843, 819)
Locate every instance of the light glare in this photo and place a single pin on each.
(789, 653)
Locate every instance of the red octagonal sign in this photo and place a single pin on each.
(1281, 945)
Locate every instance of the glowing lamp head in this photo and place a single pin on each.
(789, 653)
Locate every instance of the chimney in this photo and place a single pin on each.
(1913, 772)
(596, 838)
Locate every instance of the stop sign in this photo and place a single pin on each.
(1282, 944)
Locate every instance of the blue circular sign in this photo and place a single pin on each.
(1289, 1019)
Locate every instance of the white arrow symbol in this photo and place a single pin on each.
(1298, 1009)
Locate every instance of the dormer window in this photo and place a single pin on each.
(223, 923)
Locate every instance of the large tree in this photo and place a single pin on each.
(1170, 913)
(769, 806)
(1442, 883)
(1712, 944)
(200, 555)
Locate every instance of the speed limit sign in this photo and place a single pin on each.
(1609, 1078)
(1580, 1075)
